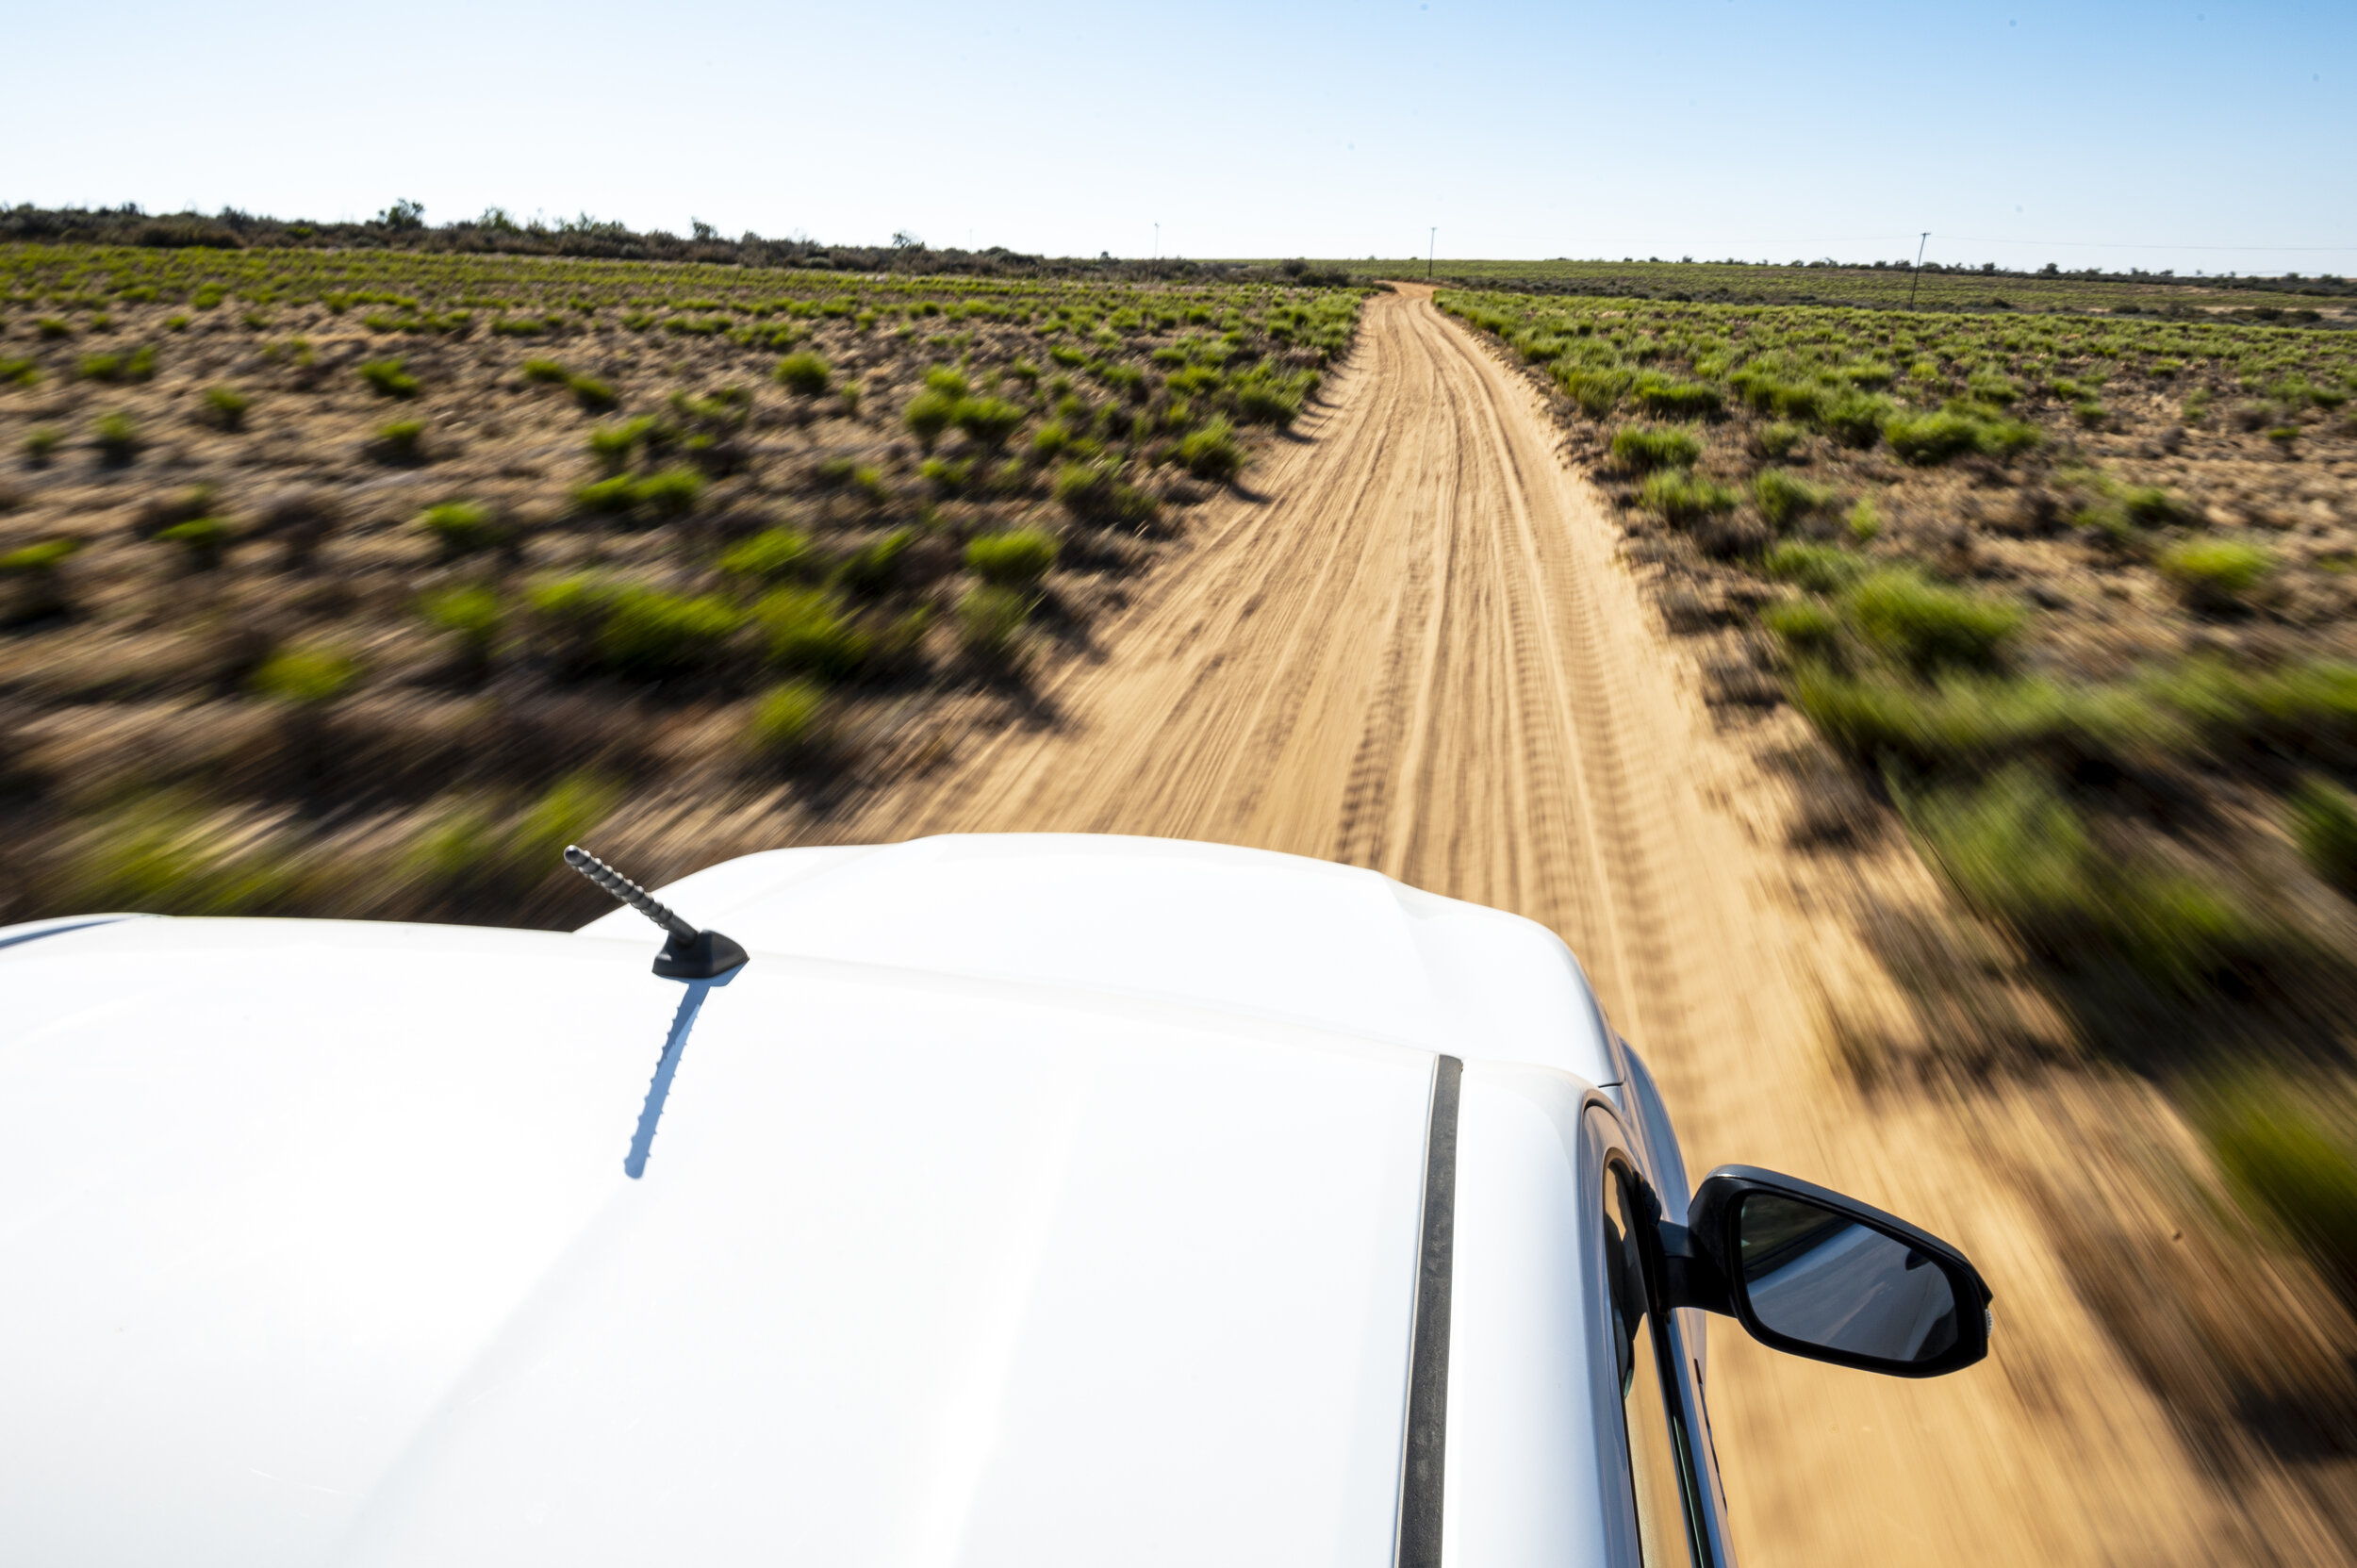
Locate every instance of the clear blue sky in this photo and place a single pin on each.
(2142, 135)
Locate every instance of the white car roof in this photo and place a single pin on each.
(1040, 1201)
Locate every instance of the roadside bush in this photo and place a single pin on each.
(462, 527)
(1644, 451)
(167, 854)
(1018, 558)
(591, 395)
(608, 496)
(786, 719)
(202, 541)
(769, 555)
(1858, 419)
(805, 629)
(1684, 500)
(875, 566)
(1665, 398)
(117, 438)
(546, 372)
(2324, 825)
(612, 444)
(2288, 1168)
(929, 413)
(2217, 575)
(991, 621)
(471, 610)
(1784, 498)
(1803, 625)
(1212, 451)
(1819, 567)
(387, 378)
(1779, 440)
(2019, 853)
(650, 635)
(401, 440)
(805, 375)
(1094, 492)
(306, 674)
(988, 421)
(40, 443)
(1930, 627)
(1929, 438)
(671, 494)
(225, 407)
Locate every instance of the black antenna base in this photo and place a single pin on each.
(706, 955)
(687, 954)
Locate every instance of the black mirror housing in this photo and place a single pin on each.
(1817, 1274)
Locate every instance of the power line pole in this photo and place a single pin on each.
(1434, 240)
(1916, 280)
(1158, 242)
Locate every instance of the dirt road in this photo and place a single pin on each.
(1418, 653)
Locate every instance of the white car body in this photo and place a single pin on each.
(1052, 1202)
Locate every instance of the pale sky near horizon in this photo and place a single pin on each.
(2190, 135)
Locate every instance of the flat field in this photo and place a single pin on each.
(355, 583)
(2070, 606)
(2298, 301)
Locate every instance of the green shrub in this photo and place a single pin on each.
(546, 372)
(611, 444)
(591, 395)
(117, 438)
(1094, 492)
(2324, 825)
(1858, 419)
(167, 854)
(2151, 507)
(1780, 440)
(1260, 402)
(2216, 573)
(805, 375)
(1818, 567)
(929, 413)
(1212, 451)
(988, 421)
(1664, 398)
(226, 407)
(1644, 451)
(772, 553)
(462, 527)
(1928, 438)
(306, 674)
(671, 493)
(788, 718)
(875, 566)
(16, 371)
(2019, 853)
(469, 609)
(388, 378)
(805, 629)
(138, 365)
(990, 621)
(32, 559)
(1684, 500)
(1805, 626)
(2289, 1169)
(40, 443)
(1929, 627)
(1864, 520)
(648, 635)
(1784, 498)
(402, 439)
(610, 497)
(1018, 558)
(1050, 439)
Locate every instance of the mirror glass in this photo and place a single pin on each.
(1823, 1279)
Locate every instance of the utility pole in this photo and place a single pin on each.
(1914, 282)
(1434, 240)
(1158, 242)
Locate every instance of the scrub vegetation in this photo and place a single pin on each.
(2072, 602)
(349, 581)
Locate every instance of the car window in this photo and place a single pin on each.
(1653, 1439)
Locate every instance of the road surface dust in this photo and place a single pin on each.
(1410, 647)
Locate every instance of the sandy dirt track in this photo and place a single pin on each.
(1415, 651)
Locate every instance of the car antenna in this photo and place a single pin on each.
(688, 953)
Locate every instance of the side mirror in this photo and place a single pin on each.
(1826, 1277)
